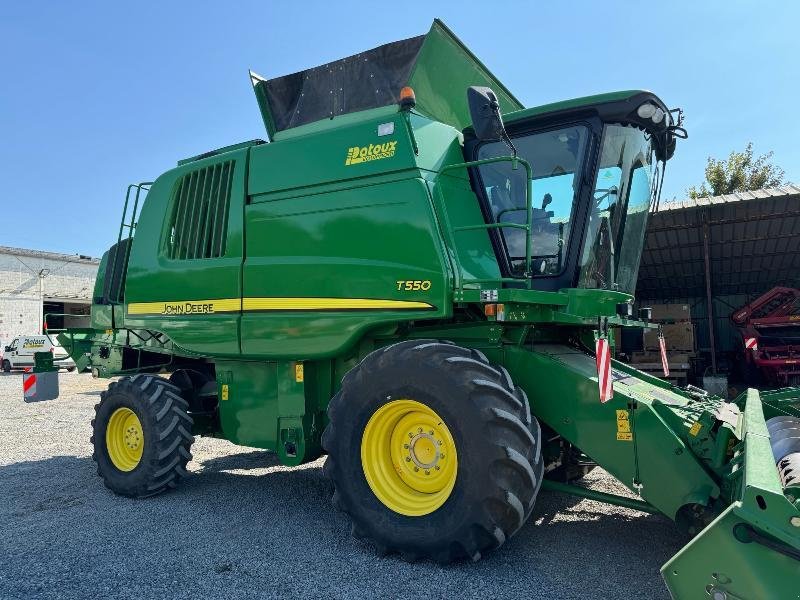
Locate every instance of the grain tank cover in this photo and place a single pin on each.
(437, 65)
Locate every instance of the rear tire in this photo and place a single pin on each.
(499, 462)
(6, 366)
(141, 436)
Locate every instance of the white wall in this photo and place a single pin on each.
(69, 278)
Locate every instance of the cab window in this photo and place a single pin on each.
(556, 157)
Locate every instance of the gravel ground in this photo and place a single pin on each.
(244, 526)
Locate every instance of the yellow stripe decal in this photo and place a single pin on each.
(205, 307)
(330, 304)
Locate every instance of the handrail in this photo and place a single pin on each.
(139, 187)
(515, 161)
(48, 329)
(560, 252)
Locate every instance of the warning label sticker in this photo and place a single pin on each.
(624, 433)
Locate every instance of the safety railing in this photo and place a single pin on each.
(64, 316)
(460, 280)
(131, 226)
(137, 191)
(71, 333)
(559, 255)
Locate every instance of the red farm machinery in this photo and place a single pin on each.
(770, 328)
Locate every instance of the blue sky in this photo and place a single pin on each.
(96, 95)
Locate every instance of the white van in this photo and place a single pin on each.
(19, 353)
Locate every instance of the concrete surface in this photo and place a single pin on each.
(242, 526)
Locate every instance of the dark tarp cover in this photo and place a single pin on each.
(365, 80)
(436, 65)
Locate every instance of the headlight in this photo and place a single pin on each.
(646, 110)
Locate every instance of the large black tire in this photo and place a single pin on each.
(500, 467)
(166, 428)
(6, 366)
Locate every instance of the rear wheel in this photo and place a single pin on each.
(141, 436)
(432, 452)
(6, 366)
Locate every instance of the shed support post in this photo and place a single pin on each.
(709, 304)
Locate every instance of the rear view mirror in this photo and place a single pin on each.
(484, 109)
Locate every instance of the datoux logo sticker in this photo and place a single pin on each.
(360, 154)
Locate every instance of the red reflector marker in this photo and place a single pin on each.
(663, 347)
(604, 380)
(28, 381)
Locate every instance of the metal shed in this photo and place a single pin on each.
(717, 254)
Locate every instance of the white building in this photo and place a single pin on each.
(33, 283)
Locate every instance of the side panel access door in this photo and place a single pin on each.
(323, 268)
(184, 272)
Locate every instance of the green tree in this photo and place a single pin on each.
(740, 172)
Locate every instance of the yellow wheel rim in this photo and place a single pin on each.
(409, 457)
(124, 439)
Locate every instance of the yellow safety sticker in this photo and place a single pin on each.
(695, 429)
(298, 372)
(224, 391)
(624, 433)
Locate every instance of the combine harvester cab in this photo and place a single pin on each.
(415, 246)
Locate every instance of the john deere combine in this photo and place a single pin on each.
(419, 288)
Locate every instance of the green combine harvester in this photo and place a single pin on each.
(422, 289)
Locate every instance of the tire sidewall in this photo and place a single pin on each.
(449, 398)
(126, 482)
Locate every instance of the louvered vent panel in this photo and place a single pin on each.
(199, 222)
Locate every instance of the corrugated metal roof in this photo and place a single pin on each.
(78, 258)
(754, 244)
(784, 190)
